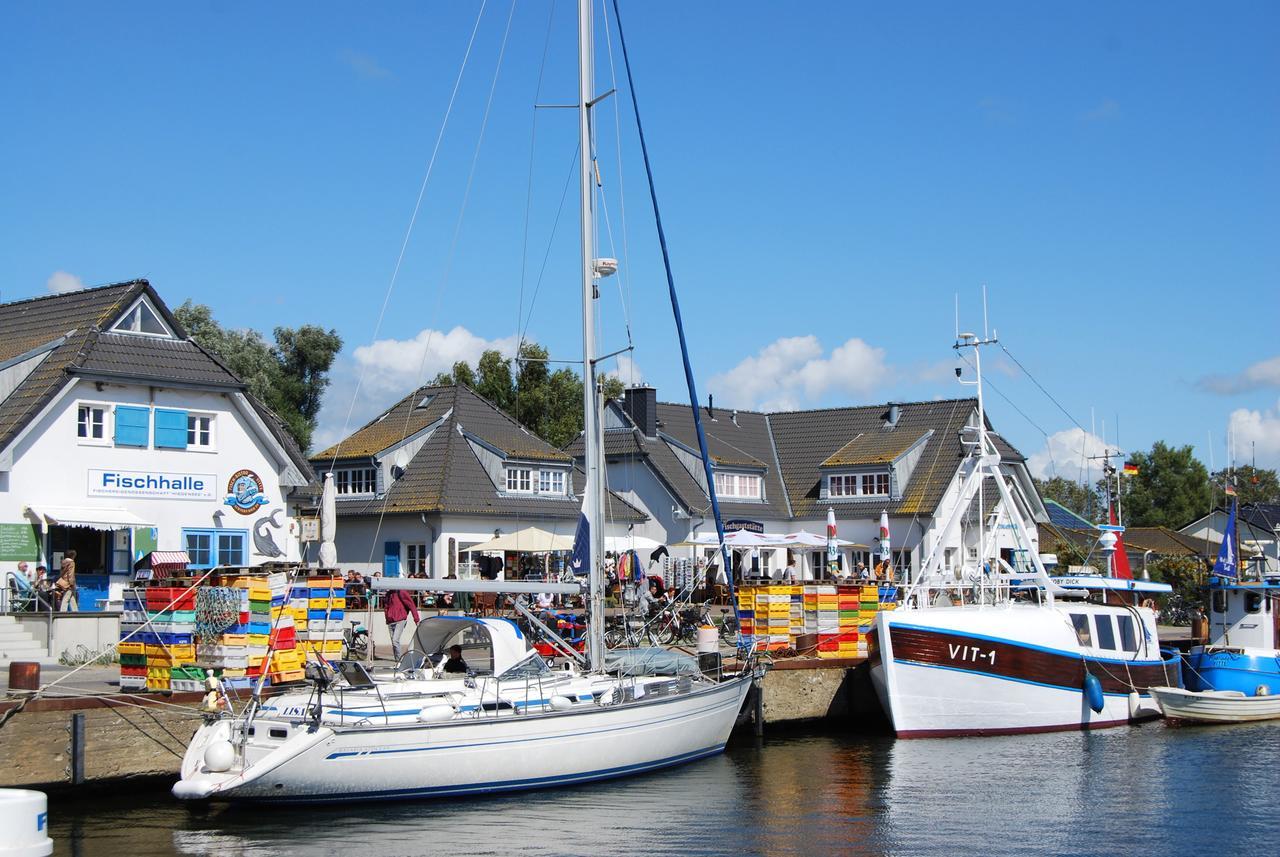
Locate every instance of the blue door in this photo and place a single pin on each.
(391, 560)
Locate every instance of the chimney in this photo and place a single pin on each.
(711, 406)
(895, 411)
(641, 404)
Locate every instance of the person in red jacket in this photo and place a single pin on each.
(399, 606)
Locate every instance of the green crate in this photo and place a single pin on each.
(187, 672)
(133, 660)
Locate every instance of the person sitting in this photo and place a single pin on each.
(455, 663)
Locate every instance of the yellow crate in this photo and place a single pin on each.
(234, 640)
(157, 671)
(158, 683)
(256, 639)
(288, 676)
(130, 649)
(183, 651)
(233, 673)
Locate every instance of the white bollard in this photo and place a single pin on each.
(708, 639)
(24, 818)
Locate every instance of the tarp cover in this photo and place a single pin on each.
(650, 661)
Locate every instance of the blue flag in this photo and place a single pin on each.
(1225, 565)
(580, 559)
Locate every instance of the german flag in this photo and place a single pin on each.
(1130, 469)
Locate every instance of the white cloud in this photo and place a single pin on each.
(793, 370)
(1257, 432)
(376, 375)
(626, 370)
(1265, 374)
(1066, 454)
(61, 281)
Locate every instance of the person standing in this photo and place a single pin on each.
(66, 585)
(398, 607)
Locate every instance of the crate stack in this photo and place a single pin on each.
(133, 653)
(797, 613)
(169, 639)
(827, 602)
(319, 620)
(774, 603)
(227, 652)
(746, 598)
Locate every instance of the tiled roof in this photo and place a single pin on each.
(1161, 541)
(30, 323)
(128, 356)
(874, 447)
(445, 475)
(1061, 516)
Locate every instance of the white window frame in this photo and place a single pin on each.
(343, 479)
(854, 485)
(130, 321)
(551, 482)
(416, 558)
(519, 480)
(732, 485)
(194, 445)
(103, 409)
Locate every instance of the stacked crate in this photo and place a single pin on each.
(774, 603)
(227, 653)
(133, 653)
(797, 612)
(828, 621)
(746, 596)
(323, 614)
(169, 640)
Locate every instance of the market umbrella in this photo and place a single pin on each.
(328, 523)
(833, 552)
(528, 540)
(886, 553)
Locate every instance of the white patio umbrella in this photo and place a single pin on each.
(328, 523)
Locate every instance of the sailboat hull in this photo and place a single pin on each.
(1002, 670)
(483, 755)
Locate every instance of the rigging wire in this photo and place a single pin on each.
(624, 281)
(413, 219)
(1041, 387)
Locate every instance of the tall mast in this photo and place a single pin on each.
(593, 462)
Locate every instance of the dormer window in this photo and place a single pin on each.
(529, 480)
(519, 480)
(141, 318)
(858, 484)
(356, 480)
(738, 486)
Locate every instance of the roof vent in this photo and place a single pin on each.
(735, 416)
(891, 419)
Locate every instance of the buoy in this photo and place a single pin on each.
(1093, 692)
(1262, 690)
(219, 757)
(436, 714)
(708, 639)
(560, 703)
(24, 818)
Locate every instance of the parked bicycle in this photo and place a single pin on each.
(355, 642)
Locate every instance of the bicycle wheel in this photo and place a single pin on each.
(613, 638)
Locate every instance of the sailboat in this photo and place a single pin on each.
(495, 716)
(1235, 676)
(993, 648)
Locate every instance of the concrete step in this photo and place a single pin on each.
(6, 620)
(13, 649)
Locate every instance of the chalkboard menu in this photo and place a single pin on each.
(18, 542)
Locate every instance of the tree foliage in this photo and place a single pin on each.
(1171, 488)
(547, 403)
(1079, 498)
(290, 376)
(1253, 484)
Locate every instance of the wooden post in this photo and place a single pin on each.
(76, 728)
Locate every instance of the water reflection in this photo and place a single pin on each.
(1145, 789)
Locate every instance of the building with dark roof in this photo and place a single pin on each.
(1257, 528)
(442, 470)
(120, 435)
(780, 472)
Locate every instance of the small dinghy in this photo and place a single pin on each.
(1217, 706)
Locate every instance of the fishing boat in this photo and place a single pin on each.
(1235, 675)
(510, 720)
(998, 646)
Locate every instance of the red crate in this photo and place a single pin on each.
(163, 598)
(285, 637)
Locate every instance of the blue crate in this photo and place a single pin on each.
(238, 628)
(325, 614)
(258, 628)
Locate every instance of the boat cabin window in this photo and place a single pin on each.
(477, 649)
(1128, 639)
(1106, 632)
(1253, 601)
(530, 667)
(1219, 601)
(1081, 624)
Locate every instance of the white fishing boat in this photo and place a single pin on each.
(989, 648)
(1216, 706)
(511, 720)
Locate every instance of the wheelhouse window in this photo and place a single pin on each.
(199, 431)
(1106, 632)
(858, 484)
(1128, 638)
(91, 423)
(738, 486)
(1253, 601)
(356, 480)
(1081, 623)
(520, 480)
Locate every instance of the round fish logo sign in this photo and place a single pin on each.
(244, 492)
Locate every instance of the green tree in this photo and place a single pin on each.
(1081, 499)
(1253, 484)
(494, 381)
(290, 376)
(1171, 488)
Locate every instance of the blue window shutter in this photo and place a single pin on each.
(131, 425)
(391, 560)
(171, 429)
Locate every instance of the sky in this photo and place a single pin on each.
(835, 179)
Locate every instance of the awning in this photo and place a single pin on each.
(530, 539)
(156, 558)
(91, 517)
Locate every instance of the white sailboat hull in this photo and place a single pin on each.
(1211, 706)
(481, 755)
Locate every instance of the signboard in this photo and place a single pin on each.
(152, 484)
(18, 542)
(311, 529)
(742, 524)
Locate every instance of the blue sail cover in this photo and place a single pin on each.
(580, 559)
(1225, 564)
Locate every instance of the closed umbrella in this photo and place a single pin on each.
(832, 551)
(886, 549)
(328, 523)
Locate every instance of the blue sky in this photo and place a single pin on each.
(832, 176)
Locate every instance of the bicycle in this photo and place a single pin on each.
(355, 642)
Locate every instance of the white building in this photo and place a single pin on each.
(119, 436)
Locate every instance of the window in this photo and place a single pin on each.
(171, 429)
(357, 480)
(1128, 639)
(1081, 624)
(91, 422)
(1219, 601)
(740, 486)
(551, 482)
(141, 319)
(208, 548)
(415, 559)
(519, 480)
(1253, 601)
(1106, 632)
(199, 431)
(132, 424)
(858, 485)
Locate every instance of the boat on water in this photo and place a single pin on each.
(1235, 676)
(500, 717)
(996, 645)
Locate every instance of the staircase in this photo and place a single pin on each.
(18, 645)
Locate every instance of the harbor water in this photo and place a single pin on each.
(1151, 789)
